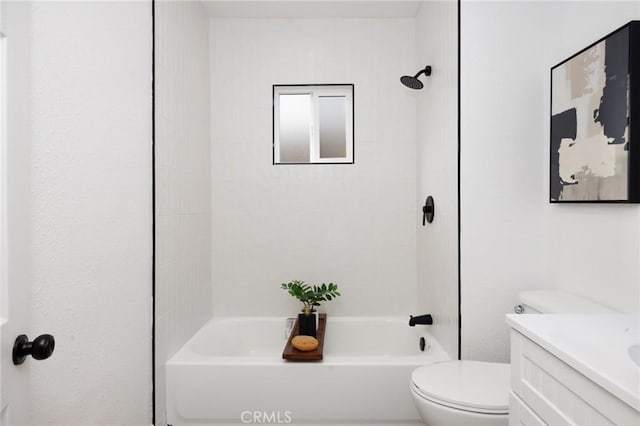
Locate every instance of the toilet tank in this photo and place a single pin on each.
(557, 302)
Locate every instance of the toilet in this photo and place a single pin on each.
(462, 393)
(476, 393)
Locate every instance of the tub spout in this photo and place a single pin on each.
(420, 319)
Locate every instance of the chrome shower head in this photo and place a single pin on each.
(414, 82)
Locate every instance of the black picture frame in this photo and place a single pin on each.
(595, 94)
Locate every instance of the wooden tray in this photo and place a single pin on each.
(292, 354)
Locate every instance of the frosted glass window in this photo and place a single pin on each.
(313, 124)
(295, 128)
(332, 127)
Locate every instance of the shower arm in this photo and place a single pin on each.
(426, 71)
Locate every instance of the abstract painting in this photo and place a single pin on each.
(592, 98)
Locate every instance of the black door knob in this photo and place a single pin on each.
(41, 348)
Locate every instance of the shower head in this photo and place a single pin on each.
(413, 82)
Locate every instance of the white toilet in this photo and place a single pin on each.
(475, 393)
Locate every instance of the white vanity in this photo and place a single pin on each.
(575, 369)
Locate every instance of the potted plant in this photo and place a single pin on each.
(310, 296)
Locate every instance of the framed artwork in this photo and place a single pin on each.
(595, 122)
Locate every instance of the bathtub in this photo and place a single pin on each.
(232, 372)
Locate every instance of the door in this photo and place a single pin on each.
(15, 256)
(77, 190)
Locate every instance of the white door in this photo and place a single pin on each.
(77, 248)
(15, 257)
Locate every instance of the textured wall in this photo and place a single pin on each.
(512, 238)
(183, 181)
(351, 224)
(437, 170)
(90, 109)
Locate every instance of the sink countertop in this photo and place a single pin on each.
(595, 345)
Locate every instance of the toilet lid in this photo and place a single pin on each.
(473, 385)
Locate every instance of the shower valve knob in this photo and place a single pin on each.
(428, 210)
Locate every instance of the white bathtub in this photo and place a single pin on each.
(232, 372)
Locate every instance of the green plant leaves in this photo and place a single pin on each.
(311, 295)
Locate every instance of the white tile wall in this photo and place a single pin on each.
(351, 224)
(437, 150)
(512, 238)
(183, 181)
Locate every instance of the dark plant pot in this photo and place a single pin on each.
(307, 324)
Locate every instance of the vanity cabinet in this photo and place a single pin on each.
(548, 390)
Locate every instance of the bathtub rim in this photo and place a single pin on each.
(186, 356)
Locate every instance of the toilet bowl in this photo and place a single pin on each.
(456, 393)
(476, 393)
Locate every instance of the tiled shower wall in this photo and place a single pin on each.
(183, 181)
(353, 224)
(436, 168)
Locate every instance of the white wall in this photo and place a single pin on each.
(350, 224)
(437, 151)
(183, 181)
(90, 211)
(17, 229)
(605, 239)
(512, 238)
